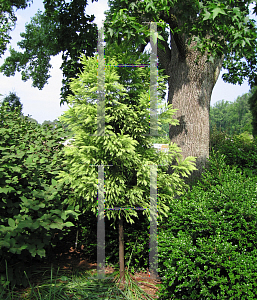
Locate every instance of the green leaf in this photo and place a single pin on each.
(24, 199)
(217, 11)
(25, 224)
(110, 31)
(11, 222)
(4, 244)
(42, 160)
(63, 215)
(4, 190)
(41, 252)
(56, 225)
(207, 16)
(68, 224)
(29, 160)
(54, 182)
(56, 211)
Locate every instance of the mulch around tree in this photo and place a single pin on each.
(75, 259)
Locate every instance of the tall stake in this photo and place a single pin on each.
(121, 247)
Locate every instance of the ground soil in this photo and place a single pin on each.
(75, 259)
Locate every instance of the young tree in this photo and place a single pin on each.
(125, 150)
(204, 37)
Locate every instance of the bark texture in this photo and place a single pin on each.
(190, 89)
(191, 82)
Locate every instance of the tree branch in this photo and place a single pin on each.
(179, 41)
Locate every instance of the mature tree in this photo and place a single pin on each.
(8, 19)
(12, 101)
(62, 28)
(125, 146)
(204, 37)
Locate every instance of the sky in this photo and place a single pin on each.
(45, 104)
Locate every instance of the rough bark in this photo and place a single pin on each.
(121, 247)
(190, 88)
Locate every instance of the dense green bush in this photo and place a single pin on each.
(32, 204)
(207, 247)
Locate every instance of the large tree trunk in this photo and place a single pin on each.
(190, 89)
(121, 247)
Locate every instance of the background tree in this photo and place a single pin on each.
(234, 117)
(62, 28)
(48, 122)
(12, 101)
(202, 41)
(8, 19)
(252, 101)
(126, 148)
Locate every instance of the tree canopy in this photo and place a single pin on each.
(8, 19)
(217, 27)
(65, 28)
(62, 28)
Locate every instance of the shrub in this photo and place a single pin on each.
(207, 247)
(32, 204)
(240, 150)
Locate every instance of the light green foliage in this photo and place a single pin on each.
(127, 182)
(32, 202)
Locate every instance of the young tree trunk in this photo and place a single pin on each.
(121, 247)
(190, 89)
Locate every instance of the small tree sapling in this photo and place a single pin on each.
(125, 150)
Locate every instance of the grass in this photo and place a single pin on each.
(77, 285)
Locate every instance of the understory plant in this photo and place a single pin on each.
(33, 204)
(207, 245)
